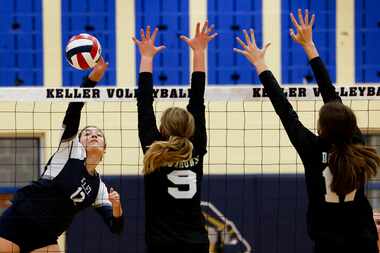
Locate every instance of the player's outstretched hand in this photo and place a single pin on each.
(251, 51)
(304, 28)
(146, 43)
(201, 38)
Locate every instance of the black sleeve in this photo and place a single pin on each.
(148, 132)
(302, 138)
(327, 89)
(72, 116)
(322, 77)
(197, 108)
(115, 224)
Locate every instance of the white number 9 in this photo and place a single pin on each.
(183, 177)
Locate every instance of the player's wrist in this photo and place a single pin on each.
(199, 50)
(308, 45)
(147, 58)
(261, 66)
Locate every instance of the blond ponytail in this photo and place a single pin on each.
(163, 153)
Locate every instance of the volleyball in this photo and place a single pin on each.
(83, 51)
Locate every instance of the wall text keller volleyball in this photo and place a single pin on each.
(114, 93)
(343, 91)
(256, 92)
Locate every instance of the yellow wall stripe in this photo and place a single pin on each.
(197, 13)
(272, 33)
(345, 41)
(52, 45)
(125, 49)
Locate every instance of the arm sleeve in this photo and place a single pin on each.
(197, 108)
(302, 138)
(72, 116)
(148, 132)
(69, 146)
(327, 90)
(104, 208)
(322, 77)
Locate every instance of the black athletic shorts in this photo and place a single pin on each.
(20, 230)
(177, 248)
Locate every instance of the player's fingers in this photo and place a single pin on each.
(148, 32)
(154, 34)
(244, 46)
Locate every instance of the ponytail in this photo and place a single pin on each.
(352, 165)
(162, 153)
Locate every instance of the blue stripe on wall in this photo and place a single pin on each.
(225, 67)
(96, 17)
(21, 59)
(295, 69)
(367, 41)
(171, 66)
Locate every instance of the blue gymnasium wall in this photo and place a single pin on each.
(96, 17)
(21, 59)
(367, 41)
(269, 211)
(21, 47)
(295, 68)
(226, 67)
(172, 18)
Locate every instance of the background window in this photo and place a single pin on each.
(19, 161)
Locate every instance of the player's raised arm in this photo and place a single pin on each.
(304, 37)
(148, 131)
(300, 136)
(72, 116)
(199, 44)
(198, 80)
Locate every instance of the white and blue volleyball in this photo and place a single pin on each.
(83, 51)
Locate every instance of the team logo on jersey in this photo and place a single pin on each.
(222, 232)
(80, 194)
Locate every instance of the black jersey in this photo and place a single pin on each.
(330, 217)
(65, 187)
(172, 193)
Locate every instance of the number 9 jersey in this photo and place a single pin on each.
(173, 192)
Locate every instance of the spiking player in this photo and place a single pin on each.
(70, 183)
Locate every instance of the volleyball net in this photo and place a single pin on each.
(253, 176)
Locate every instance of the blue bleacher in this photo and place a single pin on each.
(6, 77)
(96, 17)
(367, 39)
(21, 43)
(6, 59)
(295, 68)
(225, 67)
(6, 7)
(171, 67)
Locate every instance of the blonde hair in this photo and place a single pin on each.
(177, 126)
